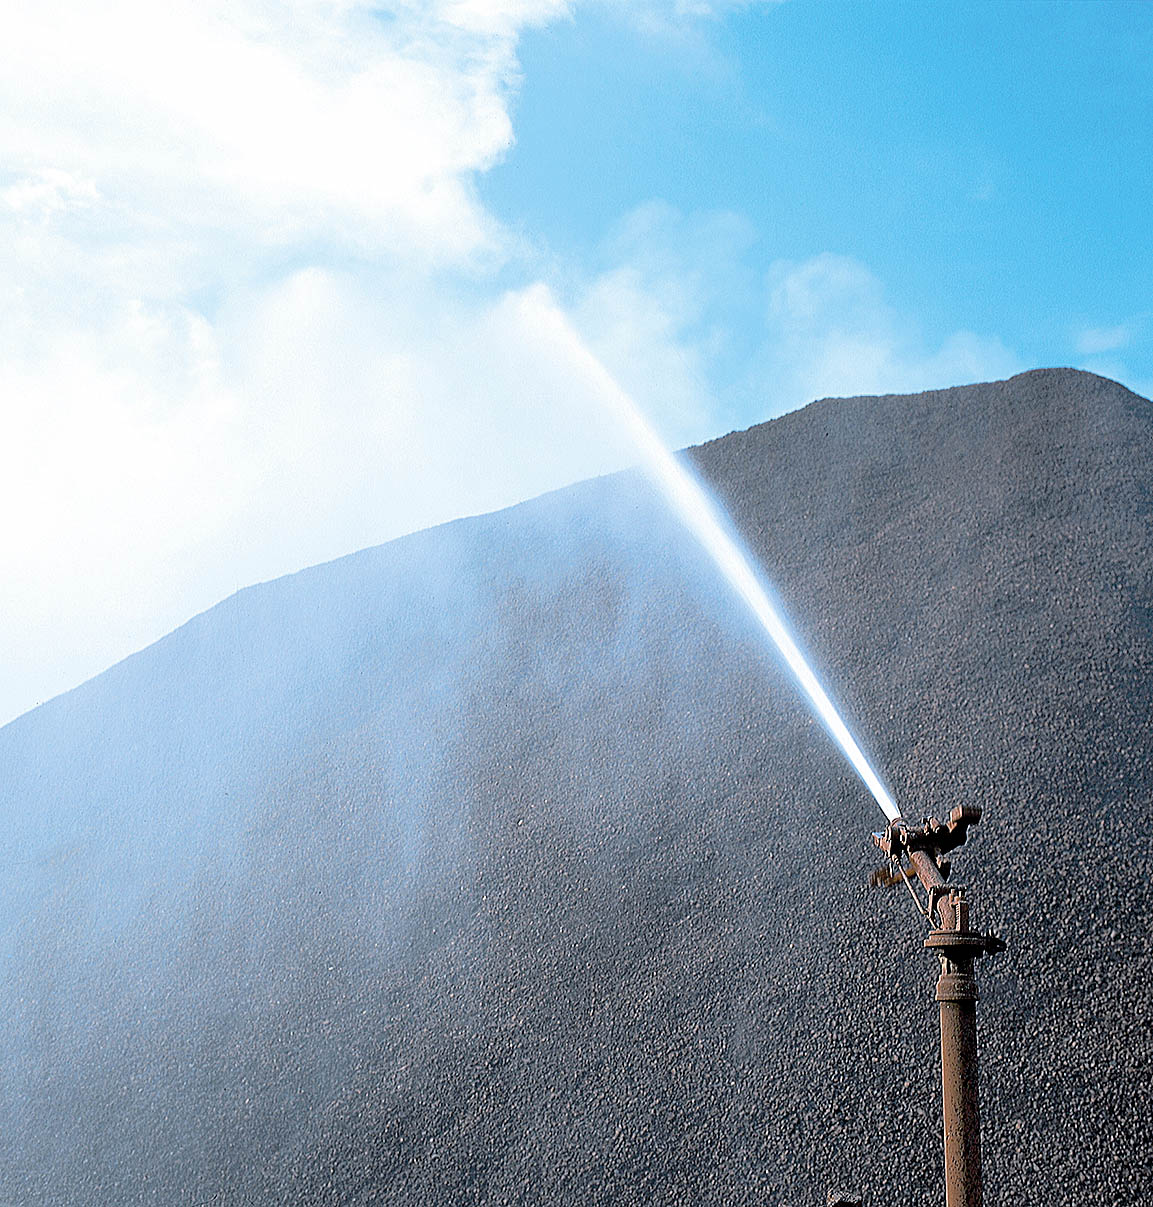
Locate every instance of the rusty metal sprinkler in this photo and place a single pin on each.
(926, 847)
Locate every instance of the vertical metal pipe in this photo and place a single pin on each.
(959, 1097)
(957, 994)
(958, 946)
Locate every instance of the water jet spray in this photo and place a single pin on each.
(704, 519)
(915, 852)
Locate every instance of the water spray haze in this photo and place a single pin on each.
(703, 518)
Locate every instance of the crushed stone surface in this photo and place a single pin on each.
(503, 864)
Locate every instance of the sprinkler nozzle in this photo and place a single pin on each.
(929, 835)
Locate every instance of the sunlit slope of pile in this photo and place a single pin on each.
(502, 864)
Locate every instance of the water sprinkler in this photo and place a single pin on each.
(926, 847)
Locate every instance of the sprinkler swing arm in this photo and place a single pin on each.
(926, 846)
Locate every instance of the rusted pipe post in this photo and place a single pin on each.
(926, 846)
(958, 947)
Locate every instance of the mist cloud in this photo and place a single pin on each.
(252, 317)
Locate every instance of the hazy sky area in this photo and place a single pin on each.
(267, 266)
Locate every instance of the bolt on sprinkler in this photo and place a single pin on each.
(926, 846)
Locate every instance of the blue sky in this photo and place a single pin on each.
(268, 268)
(991, 165)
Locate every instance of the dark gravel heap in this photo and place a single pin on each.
(502, 864)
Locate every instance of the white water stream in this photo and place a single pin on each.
(703, 518)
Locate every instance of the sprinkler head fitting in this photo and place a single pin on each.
(925, 846)
(929, 835)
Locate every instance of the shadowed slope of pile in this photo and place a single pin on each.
(501, 864)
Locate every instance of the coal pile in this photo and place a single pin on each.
(503, 864)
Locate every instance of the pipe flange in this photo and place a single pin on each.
(957, 987)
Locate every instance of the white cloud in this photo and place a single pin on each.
(247, 324)
(717, 8)
(680, 26)
(657, 314)
(186, 406)
(504, 17)
(667, 14)
(831, 332)
(232, 344)
(664, 319)
(640, 337)
(1112, 350)
(1092, 341)
(280, 120)
(49, 191)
